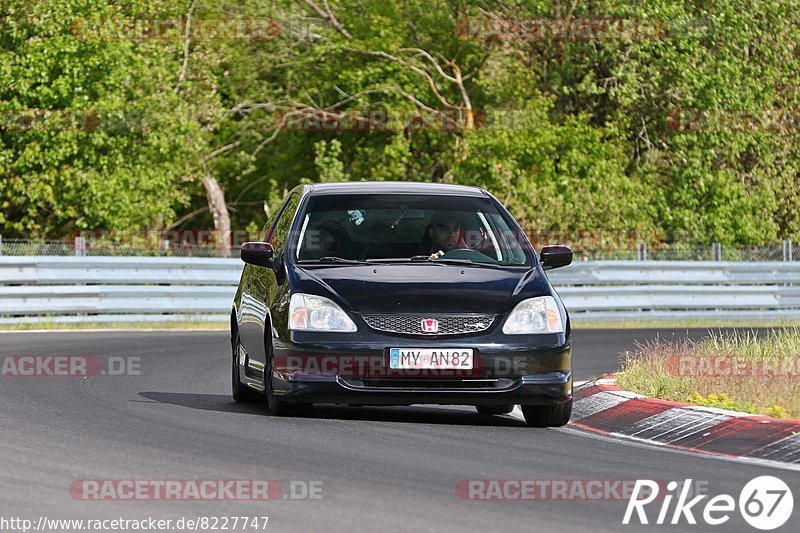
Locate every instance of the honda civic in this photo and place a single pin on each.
(382, 293)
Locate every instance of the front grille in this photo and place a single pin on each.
(413, 324)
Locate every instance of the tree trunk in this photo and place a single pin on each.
(219, 211)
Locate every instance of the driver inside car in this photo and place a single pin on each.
(444, 234)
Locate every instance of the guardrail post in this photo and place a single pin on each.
(80, 246)
(1, 245)
(787, 251)
(716, 251)
(641, 250)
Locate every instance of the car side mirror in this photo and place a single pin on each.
(555, 257)
(258, 253)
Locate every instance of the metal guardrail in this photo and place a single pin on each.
(105, 289)
(116, 289)
(63, 270)
(676, 272)
(665, 290)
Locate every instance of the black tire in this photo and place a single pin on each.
(241, 393)
(276, 406)
(494, 409)
(544, 416)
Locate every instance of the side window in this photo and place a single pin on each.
(262, 235)
(265, 231)
(280, 233)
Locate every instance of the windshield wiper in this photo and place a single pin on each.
(454, 261)
(427, 259)
(334, 259)
(415, 259)
(421, 258)
(388, 260)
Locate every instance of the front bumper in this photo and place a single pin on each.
(330, 370)
(542, 389)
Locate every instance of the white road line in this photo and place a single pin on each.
(643, 443)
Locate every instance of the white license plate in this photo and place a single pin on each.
(427, 358)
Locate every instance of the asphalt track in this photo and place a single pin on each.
(382, 469)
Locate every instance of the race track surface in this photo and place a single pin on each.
(382, 469)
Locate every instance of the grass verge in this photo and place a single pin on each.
(741, 370)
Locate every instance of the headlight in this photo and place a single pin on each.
(535, 315)
(317, 313)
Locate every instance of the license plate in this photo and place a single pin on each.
(426, 358)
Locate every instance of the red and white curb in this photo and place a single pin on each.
(600, 406)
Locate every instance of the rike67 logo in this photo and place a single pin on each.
(765, 503)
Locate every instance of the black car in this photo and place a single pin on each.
(396, 294)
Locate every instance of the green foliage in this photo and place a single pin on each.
(120, 168)
(575, 135)
(329, 167)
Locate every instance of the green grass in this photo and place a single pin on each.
(767, 382)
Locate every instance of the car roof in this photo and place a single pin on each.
(394, 187)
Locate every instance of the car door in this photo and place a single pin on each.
(261, 285)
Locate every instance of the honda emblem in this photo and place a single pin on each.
(430, 325)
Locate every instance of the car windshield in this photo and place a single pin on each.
(398, 227)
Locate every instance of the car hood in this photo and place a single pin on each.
(421, 288)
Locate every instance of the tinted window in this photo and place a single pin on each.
(363, 227)
(262, 236)
(280, 234)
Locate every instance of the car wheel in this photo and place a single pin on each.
(542, 416)
(494, 409)
(275, 405)
(241, 393)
